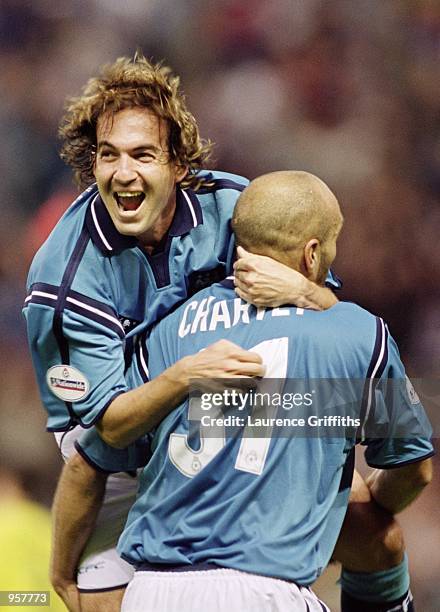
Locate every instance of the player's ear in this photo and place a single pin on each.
(312, 257)
(181, 172)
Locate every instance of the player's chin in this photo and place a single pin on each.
(131, 226)
(131, 220)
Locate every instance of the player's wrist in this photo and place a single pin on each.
(315, 297)
(301, 292)
(178, 375)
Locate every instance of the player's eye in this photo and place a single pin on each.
(106, 154)
(145, 156)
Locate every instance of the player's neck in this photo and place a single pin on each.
(154, 237)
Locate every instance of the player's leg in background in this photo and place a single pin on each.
(102, 575)
(102, 579)
(108, 601)
(371, 549)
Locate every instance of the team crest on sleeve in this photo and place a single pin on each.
(412, 394)
(67, 383)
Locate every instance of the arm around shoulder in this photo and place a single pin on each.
(136, 412)
(264, 282)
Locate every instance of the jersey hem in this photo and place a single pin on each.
(77, 421)
(145, 566)
(402, 463)
(101, 412)
(90, 462)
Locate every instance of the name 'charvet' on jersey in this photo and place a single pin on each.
(274, 505)
(91, 291)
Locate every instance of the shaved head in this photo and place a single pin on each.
(280, 212)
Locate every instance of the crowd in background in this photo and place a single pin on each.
(348, 90)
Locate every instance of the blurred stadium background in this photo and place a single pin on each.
(348, 90)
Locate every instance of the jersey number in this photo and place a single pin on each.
(253, 451)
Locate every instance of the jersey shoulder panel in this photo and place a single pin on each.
(224, 180)
(48, 265)
(220, 193)
(343, 342)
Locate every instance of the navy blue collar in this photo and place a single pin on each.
(106, 237)
(188, 213)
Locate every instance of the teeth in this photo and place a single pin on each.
(129, 194)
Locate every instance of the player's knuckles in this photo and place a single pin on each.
(247, 356)
(244, 284)
(224, 349)
(221, 346)
(228, 346)
(242, 267)
(249, 369)
(260, 302)
(226, 368)
(238, 284)
(249, 278)
(256, 369)
(242, 355)
(243, 294)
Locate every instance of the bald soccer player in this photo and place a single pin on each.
(248, 523)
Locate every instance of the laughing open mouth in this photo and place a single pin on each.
(129, 200)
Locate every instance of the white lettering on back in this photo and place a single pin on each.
(220, 314)
(200, 322)
(241, 311)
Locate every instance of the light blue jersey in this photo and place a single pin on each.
(91, 292)
(267, 505)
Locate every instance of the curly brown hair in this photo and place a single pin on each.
(131, 83)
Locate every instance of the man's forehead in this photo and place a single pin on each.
(132, 120)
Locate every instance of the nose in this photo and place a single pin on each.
(125, 170)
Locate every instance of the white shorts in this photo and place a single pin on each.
(216, 590)
(103, 571)
(100, 567)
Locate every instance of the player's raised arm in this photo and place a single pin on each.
(137, 411)
(264, 282)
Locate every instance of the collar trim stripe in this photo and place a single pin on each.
(109, 241)
(191, 208)
(98, 227)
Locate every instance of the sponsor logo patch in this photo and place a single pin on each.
(67, 383)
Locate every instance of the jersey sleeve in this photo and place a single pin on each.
(78, 357)
(105, 458)
(399, 432)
